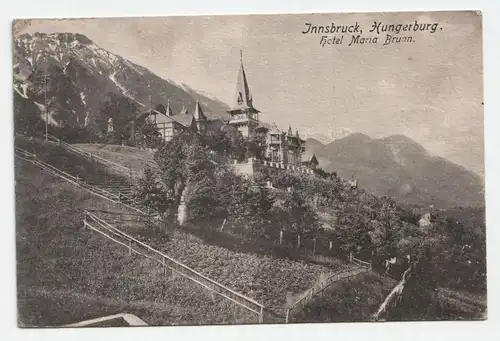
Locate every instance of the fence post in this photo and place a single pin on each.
(212, 293)
(129, 247)
(77, 179)
(281, 236)
(298, 241)
(350, 257)
(90, 157)
(287, 317)
(261, 315)
(330, 249)
(314, 246)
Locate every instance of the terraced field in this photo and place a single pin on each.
(268, 280)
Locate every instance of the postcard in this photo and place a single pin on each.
(249, 169)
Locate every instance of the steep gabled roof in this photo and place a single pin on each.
(184, 119)
(162, 118)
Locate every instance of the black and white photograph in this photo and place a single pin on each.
(249, 169)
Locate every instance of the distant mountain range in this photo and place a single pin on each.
(399, 167)
(329, 136)
(81, 75)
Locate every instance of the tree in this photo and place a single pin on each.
(121, 109)
(200, 173)
(298, 215)
(148, 136)
(150, 192)
(238, 149)
(325, 175)
(171, 159)
(256, 146)
(219, 141)
(27, 119)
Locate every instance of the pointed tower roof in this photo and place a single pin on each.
(184, 110)
(243, 97)
(290, 130)
(198, 113)
(313, 160)
(168, 112)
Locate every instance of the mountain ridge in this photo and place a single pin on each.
(81, 75)
(399, 167)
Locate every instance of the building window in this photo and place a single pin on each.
(275, 156)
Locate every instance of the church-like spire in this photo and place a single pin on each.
(168, 112)
(290, 130)
(184, 111)
(198, 113)
(243, 96)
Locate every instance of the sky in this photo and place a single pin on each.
(430, 90)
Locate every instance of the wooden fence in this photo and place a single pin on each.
(318, 288)
(394, 297)
(359, 262)
(94, 223)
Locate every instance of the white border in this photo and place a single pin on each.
(388, 331)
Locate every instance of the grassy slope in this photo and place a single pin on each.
(64, 160)
(67, 274)
(355, 299)
(131, 157)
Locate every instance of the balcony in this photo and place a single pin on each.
(243, 119)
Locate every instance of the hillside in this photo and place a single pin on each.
(250, 271)
(82, 77)
(66, 274)
(399, 167)
(268, 280)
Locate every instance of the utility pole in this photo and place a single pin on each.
(151, 109)
(46, 109)
(45, 78)
(150, 104)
